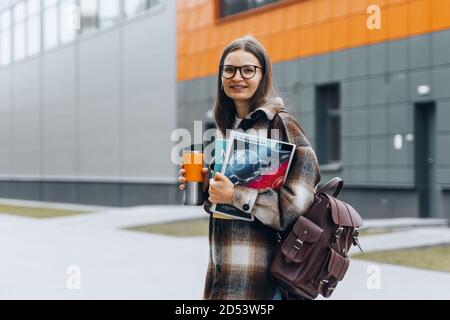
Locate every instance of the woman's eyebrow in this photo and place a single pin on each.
(244, 64)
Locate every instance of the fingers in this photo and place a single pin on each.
(182, 179)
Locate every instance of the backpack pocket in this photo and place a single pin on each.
(337, 265)
(300, 241)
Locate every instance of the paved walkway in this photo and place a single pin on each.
(121, 264)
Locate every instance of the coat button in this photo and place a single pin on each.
(245, 207)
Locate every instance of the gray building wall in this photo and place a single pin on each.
(378, 85)
(90, 121)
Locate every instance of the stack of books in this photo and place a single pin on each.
(251, 161)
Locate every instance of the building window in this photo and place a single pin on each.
(230, 7)
(153, 3)
(67, 20)
(109, 13)
(33, 27)
(134, 7)
(328, 123)
(19, 31)
(89, 9)
(5, 38)
(50, 24)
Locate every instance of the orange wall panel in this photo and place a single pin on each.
(377, 35)
(291, 44)
(291, 19)
(339, 34)
(440, 14)
(263, 24)
(277, 42)
(251, 25)
(181, 5)
(182, 44)
(397, 25)
(395, 2)
(357, 6)
(323, 37)
(305, 12)
(265, 40)
(294, 29)
(420, 13)
(322, 10)
(339, 8)
(306, 41)
(276, 21)
(357, 25)
(379, 3)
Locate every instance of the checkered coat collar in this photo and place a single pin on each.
(269, 108)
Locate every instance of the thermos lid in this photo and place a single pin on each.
(194, 147)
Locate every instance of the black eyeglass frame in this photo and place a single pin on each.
(240, 70)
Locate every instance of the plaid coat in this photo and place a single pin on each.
(241, 251)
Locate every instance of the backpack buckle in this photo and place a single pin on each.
(356, 240)
(298, 244)
(325, 288)
(339, 232)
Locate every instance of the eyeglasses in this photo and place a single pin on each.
(247, 71)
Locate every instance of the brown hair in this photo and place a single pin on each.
(224, 109)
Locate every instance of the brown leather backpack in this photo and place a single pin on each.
(312, 257)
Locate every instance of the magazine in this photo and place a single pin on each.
(254, 162)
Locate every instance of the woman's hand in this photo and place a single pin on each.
(182, 178)
(221, 189)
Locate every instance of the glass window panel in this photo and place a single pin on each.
(19, 12)
(50, 28)
(5, 47)
(109, 12)
(89, 10)
(69, 17)
(154, 3)
(133, 7)
(5, 19)
(34, 7)
(230, 7)
(335, 130)
(19, 41)
(48, 3)
(68, 24)
(34, 35)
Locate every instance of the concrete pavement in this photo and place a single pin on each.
(37, 255)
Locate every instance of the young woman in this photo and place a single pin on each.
(241, 251)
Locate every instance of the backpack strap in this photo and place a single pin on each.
(336, 183)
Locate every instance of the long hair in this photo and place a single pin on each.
(224, 109)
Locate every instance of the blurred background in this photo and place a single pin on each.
(91, 91)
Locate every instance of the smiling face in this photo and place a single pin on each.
(238, 88)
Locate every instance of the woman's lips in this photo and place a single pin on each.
(238, 88)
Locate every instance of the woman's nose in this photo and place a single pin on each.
(237, 75)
